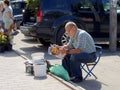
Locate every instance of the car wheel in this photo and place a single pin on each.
(62, 37)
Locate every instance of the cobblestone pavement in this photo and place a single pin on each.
(13, 76)
(107, 70)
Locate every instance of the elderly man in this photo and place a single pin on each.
(80, 49)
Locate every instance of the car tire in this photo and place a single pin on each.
(62, 38)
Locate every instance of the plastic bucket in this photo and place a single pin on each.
(39, 70)
(29, 69)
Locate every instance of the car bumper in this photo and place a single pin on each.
(18, 19)
(28, 30)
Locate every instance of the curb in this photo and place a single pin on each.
(69, 84)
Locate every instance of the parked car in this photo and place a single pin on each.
(90, 15)
(18, 6)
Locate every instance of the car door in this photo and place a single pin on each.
(105, 19)
(88, 11)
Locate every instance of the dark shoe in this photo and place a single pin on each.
(77, 79)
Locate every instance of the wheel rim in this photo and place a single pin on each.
(65, 39)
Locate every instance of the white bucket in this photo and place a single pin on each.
(39, 70)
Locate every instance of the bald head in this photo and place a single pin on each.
(70, 24)
(71, 28)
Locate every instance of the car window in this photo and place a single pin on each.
(55, 4)
(86, 5)
(18, 5)
(106, 5)
(15, 5)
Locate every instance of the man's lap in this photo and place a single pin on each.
(83, 57)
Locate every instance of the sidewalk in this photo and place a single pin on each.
(107, 71)
(13, 76)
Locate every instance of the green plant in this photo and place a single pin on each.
(32, 5)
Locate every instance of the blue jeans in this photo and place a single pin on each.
(72, 62)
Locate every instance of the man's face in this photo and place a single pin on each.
(70, 31)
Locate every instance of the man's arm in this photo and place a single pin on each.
(73, 51)
(63, 48)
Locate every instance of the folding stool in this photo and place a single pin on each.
(88, 67)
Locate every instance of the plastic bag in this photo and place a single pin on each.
(58, 56)
(60, 71)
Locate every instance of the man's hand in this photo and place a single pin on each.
(61, 50)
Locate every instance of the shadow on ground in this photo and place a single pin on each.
(9, 54)
(89, 85)
(38, 51)
(30, 40)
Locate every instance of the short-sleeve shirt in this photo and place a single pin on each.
(6, 19)
(83, 41)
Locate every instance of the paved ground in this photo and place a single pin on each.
(13, 76)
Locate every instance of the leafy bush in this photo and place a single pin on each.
(32, 5)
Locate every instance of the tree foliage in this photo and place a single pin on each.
(33, 5)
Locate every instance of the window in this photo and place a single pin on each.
(106, 5)
(86, 5)
(15, 5)
(55, 4)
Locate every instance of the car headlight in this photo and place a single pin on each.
(23, 10)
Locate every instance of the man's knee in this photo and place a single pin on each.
(66, 60)
(74, 57)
